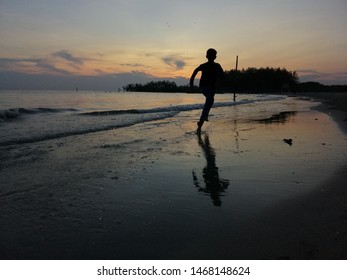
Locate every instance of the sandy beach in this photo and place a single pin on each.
(314, 225)
(157, 190)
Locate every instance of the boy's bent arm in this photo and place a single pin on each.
(193, 76)
(221, 72)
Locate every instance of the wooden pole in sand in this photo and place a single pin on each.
(237, 63)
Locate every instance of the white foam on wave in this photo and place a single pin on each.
(86, 127)
(14, 113)
(40, 126)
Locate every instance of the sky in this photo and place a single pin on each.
(98, 44)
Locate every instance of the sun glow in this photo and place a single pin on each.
(167, 40)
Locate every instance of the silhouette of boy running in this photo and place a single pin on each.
(210, 71)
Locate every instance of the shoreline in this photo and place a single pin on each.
(333, 104)
(310, 226)
(316, 223)
(150, 191)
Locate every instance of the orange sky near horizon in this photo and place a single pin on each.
(168, 39)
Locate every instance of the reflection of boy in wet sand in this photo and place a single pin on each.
(214, 185)
(210, 71)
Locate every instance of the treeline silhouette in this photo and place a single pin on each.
(260, 80)
(252, 80)
(159, 86)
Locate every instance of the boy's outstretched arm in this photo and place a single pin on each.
(193, 77)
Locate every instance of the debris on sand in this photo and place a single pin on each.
(288, 141)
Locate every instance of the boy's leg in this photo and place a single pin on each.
(200, 123)
(208, 105)
(209, 95)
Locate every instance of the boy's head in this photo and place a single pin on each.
(211, 54)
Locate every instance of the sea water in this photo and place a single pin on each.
(124, 176)
(32, 116)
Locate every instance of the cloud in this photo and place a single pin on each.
(66, 55)
(48, 66)
(174, 62)
(31, 65)
(133, 64)
(307, 75)
(56, 63)
(26, 81)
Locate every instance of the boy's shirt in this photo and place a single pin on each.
(210, 72)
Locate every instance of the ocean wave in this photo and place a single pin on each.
(86, 130)
(14, 113)
(79, 124)
(183, 108)
(178, 108)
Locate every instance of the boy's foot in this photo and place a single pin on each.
(198, 131)
(199, 123)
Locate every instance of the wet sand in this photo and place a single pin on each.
(159, 191)
(315, 225)
(312, 226)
